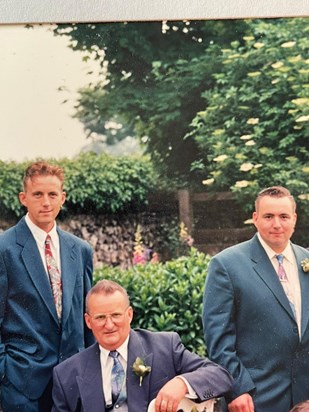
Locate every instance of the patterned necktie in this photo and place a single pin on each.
(118, 380)
(54, 276)
(285, 282)
(281, 271)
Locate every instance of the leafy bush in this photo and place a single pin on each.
(94, 184)
(166, 296)
(11, 175)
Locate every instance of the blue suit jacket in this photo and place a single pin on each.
(78, 381)
(32, 341)
(250, 329)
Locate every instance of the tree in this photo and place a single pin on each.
(253, 131)
(138, 88)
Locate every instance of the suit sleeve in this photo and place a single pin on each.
(220, 326)
(207, 379)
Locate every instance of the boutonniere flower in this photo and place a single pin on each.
(305, 265)
(140, 369)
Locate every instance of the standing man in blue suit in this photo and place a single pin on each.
(256, 311)
(168, 370)
(34, 336)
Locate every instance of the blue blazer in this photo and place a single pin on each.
(32, 339)
(78, 381)
(250, 329)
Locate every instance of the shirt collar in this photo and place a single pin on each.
(287, 252)
(40, 234)
(123, 351)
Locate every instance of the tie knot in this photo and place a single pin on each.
(114, 354)
(47, 240)
(280, 258)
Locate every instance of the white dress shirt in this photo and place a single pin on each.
(40, 237)
(106, 370)
(290, 267)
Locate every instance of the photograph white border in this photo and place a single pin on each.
(61, 11)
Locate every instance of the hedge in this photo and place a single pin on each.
(166, 296)
(94, 184)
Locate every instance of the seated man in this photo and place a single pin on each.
(128, 368)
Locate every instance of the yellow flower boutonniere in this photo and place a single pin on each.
(305, 265)
(140, 369)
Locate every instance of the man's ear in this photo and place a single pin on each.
(87, 320)
(130, 313)
(22, 198)
(63, 197)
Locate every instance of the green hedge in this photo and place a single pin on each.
(166, 296)
(94, 184)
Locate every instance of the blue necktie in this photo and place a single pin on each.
(118, 380)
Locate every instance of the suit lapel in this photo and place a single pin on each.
(138, 396)
(34, 266)
(265, 270)
(68, 272)
(90, 383)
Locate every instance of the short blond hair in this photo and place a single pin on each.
(42, 168)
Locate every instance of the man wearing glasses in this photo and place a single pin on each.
(128, 368)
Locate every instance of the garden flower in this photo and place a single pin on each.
(184, 235)
(277, 65)
(208, 181)
(250, 143)
(253, 120)
(242, 183)
(302, 119)
(245, 167)
(220, 158)
(140, 369)
(288, 44)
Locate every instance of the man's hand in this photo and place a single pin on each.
(243, 403)
(170, 395)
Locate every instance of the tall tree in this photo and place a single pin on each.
(138, 87)
(254, 129)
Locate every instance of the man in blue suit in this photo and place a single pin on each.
(166, 370)
(256, 311)
(34, 337)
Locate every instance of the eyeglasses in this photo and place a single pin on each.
(101, 319)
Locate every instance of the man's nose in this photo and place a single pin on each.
(277, 221)
(46, 200)
(109, 322)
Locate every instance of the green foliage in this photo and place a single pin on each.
(253, 131)
(153, 75)
(11, 175)
(103, 184)
(94, 184)
(166, 296)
